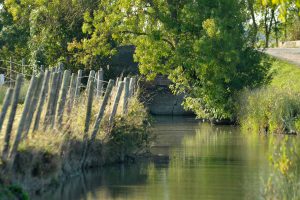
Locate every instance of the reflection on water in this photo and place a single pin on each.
(200, 162)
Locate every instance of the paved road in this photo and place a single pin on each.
(289, 54)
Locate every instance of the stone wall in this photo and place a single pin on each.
(161, 101)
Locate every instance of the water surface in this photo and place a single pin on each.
(196, 161)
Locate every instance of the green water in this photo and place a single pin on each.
(197, 161)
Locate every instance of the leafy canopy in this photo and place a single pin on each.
(201, 45)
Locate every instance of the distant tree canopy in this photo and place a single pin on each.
(274, 20)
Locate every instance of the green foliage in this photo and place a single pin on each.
(12, 192)
(43, 29)
(283, 183)
(270, 110)
(13, 37)
(276, 107)
(201, 45)
(130, 134)
(22, 96)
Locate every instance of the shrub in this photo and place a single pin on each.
(270, 110)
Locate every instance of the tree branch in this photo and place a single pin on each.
(142, 33)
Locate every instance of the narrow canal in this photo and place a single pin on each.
(197, 161)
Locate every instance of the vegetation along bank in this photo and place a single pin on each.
(62, 128)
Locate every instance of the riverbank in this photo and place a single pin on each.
(61, 128)
(49, 157)
(274, 108)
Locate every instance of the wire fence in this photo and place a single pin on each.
(10, 69)
(8, 78)
(52, 98)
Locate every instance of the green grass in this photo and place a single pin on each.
(3, 89)
(274, 108)
(285, 75)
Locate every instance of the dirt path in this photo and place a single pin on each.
(289, 54)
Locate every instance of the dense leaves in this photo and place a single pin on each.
(43, 28)
(205, 47)
(201, 45)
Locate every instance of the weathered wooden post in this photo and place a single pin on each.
(10, 72)
(78, 83)
(132, 86)
(42, 98)
(116, 102)
(12, 114)
(91, 78)
(59, 82)
(126, 95)
(62, 97)
(89, 107)
(99, 82)
(33, 103)
(60, 67)
(20, 128)
(23, 66)
(51, 100)
(6, 103)
(71, 93)
(102, 109)
(87, 120)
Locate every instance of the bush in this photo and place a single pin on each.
(270, 110)
(130, 134)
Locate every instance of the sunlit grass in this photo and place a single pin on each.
(274, 108)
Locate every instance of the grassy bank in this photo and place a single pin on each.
(274, 108)
(47, 157)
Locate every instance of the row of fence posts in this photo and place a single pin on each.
(10, 70)
(56, 92)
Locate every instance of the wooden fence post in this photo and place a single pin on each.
(20, 128)
(62, 97)
(102, 109)
(42, 99)
(99, 82)
(59, 82)
(71, 93)
(78, 83)
(10, 72)
(89, 107)
(33, 103)
(126, 95)
(6, 103)
(87, 120)
(116, 102)
(91, 79)
(23, 66)
(11, 118)
(51, 100)
(131, 86)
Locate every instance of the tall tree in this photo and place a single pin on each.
(201, 45)
(51, 26)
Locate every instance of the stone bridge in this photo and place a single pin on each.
(160, 99)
